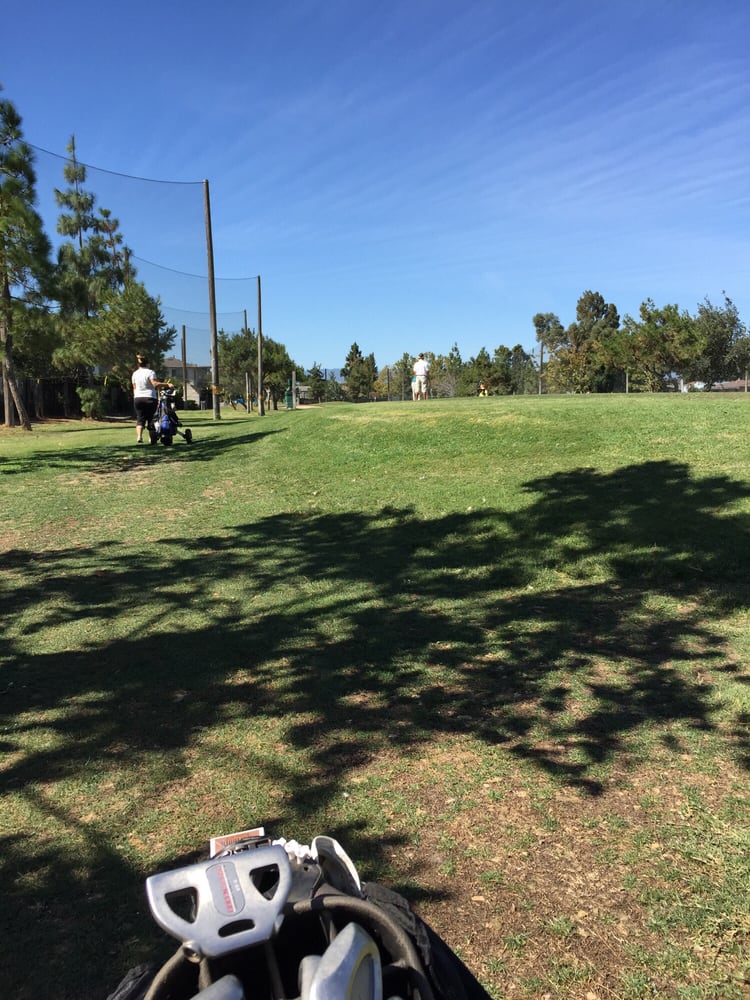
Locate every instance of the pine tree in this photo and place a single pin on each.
(105, 314)
(317, 382)
(401, 375)
(360, 373)
(93, 266)
(24, 248)
(81, 256)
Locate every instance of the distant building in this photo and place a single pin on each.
(738, 385)
(198, 377)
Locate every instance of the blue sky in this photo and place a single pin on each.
(405, 174)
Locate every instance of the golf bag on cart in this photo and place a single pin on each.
(166, 423)
(266, 919)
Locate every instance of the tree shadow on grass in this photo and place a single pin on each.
(559, 631)
(104, 459)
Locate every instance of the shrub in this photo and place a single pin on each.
(92, 402)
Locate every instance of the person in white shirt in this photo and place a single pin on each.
(421, 371)
(145, 384)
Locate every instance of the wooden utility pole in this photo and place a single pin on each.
(248, 380)
(184, 368)
(212, 305)
(261, 407)
(541, 365)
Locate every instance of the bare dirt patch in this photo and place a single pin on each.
(535, 888)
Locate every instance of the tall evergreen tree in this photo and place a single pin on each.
(574, 362)
(24, 248)
(76, 257)
(334, 391)
(550, 332)
(739, 358)
(360, 373)
(238, 358)
(317, 382)
(550, 335)
(93, 260)
(354, 357)
(401, 373)
(130, 322)
(501, 382)
(523, 372)
(445, 373)
(718, 328)
(596, 322)
(474, 371)
(105, 314)
(93, 268)
(661, 345)
(454, 363)
(238, 355)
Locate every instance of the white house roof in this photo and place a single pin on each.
(177, 363)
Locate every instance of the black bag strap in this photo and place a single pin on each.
(449, 977)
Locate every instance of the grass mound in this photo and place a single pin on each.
(497, 647)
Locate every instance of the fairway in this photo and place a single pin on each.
(497, 647)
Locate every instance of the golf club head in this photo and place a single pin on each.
(349, 969)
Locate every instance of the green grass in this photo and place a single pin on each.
(317, 619)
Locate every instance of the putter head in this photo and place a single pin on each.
(219, 906)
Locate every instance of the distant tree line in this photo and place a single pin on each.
(238, 364)
(596, 353)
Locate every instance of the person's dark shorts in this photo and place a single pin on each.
(145, 408)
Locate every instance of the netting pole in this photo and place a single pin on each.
(248, 397)
(261, 407)
(184, 367)
(212, 304)
(541, 365)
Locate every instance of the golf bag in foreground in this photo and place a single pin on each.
(166, 423)
(266, 919)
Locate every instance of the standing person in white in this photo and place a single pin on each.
(145, 384)
(421, 371)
